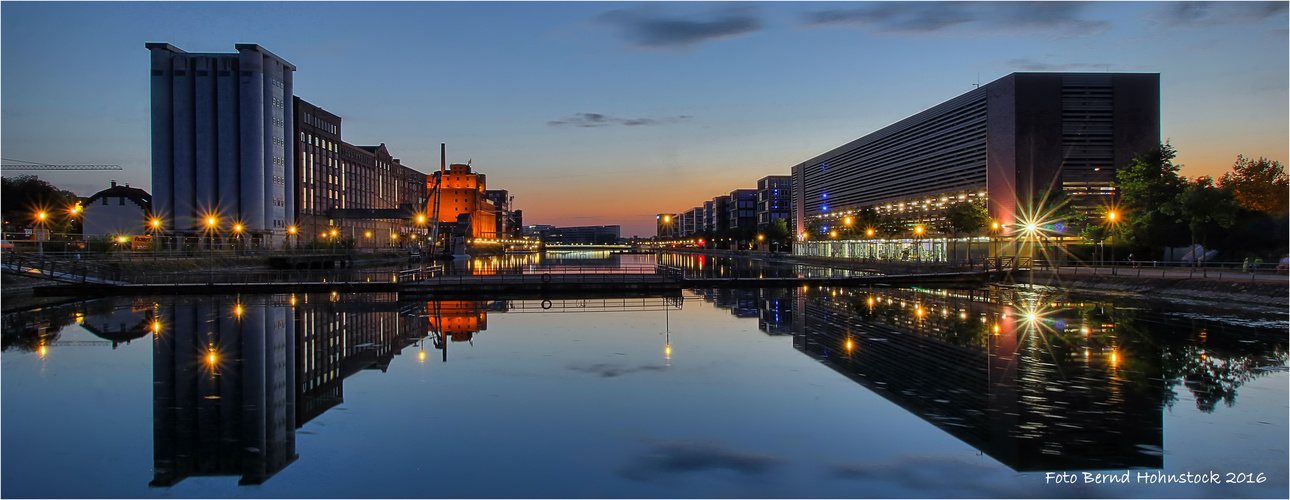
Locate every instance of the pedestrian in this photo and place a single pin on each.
(1132, 261)
(1258, 261)
(1245, 266)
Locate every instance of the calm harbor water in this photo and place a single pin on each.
(797, 393)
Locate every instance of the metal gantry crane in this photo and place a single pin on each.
(31, 165)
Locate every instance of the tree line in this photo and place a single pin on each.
(1242, 214)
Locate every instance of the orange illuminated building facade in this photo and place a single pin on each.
(464, 194)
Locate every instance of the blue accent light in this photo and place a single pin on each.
(826, 208)
(826, 228)
(825, 196)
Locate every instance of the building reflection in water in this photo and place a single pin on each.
(223, 389)
(1037, 383)
(456, 321)
(235, 377)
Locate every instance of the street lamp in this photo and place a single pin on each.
(1111, 218)
(41, 218)
(292, 231)
(154, 227)
(918, 244)
(212, 227)
(237, 234)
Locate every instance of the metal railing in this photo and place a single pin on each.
(550, 278)
(1180, 270)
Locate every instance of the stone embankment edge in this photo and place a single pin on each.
(1206, 290)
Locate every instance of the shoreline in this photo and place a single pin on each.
(1229, 292)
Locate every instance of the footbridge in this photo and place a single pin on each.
(556, 281)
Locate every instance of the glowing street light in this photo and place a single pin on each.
(237, 234)
(1111, 218)
(212, 227)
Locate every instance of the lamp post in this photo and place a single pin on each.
(41, 218)
(73, 213)
(1031, 229)
(237, 237)
(918, 244)
(1111, 221)
(293, 233)
(992, 247)
(212, 227)
(154, 227)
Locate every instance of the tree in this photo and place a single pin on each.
(23, 196)
(962, 217)
(867, 219)
(815, 228)
(1146, 184)
(777, 233)
(1202, 206)
(890, 226)
(1260, 185)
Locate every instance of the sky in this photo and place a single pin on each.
(594, 113)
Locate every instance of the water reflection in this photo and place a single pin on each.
(224, 389)
(235, 377)
(552, 261)
(1037, 382)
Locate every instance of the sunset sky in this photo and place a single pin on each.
(597, 113)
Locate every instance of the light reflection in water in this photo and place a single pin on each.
(1069, 385)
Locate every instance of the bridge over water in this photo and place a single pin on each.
(553, 282)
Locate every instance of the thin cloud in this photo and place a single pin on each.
(1032, 65)
(665, 459)
(1198, 14)
(594, 120)
(646, 27)
(963, 18)
(611, 371)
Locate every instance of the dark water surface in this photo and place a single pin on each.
(798, 393)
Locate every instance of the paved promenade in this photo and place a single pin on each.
(1147, 271)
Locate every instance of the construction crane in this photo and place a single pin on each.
(29, 165)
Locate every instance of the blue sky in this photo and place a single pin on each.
(609, 112)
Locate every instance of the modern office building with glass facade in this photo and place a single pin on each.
(1003, 144)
